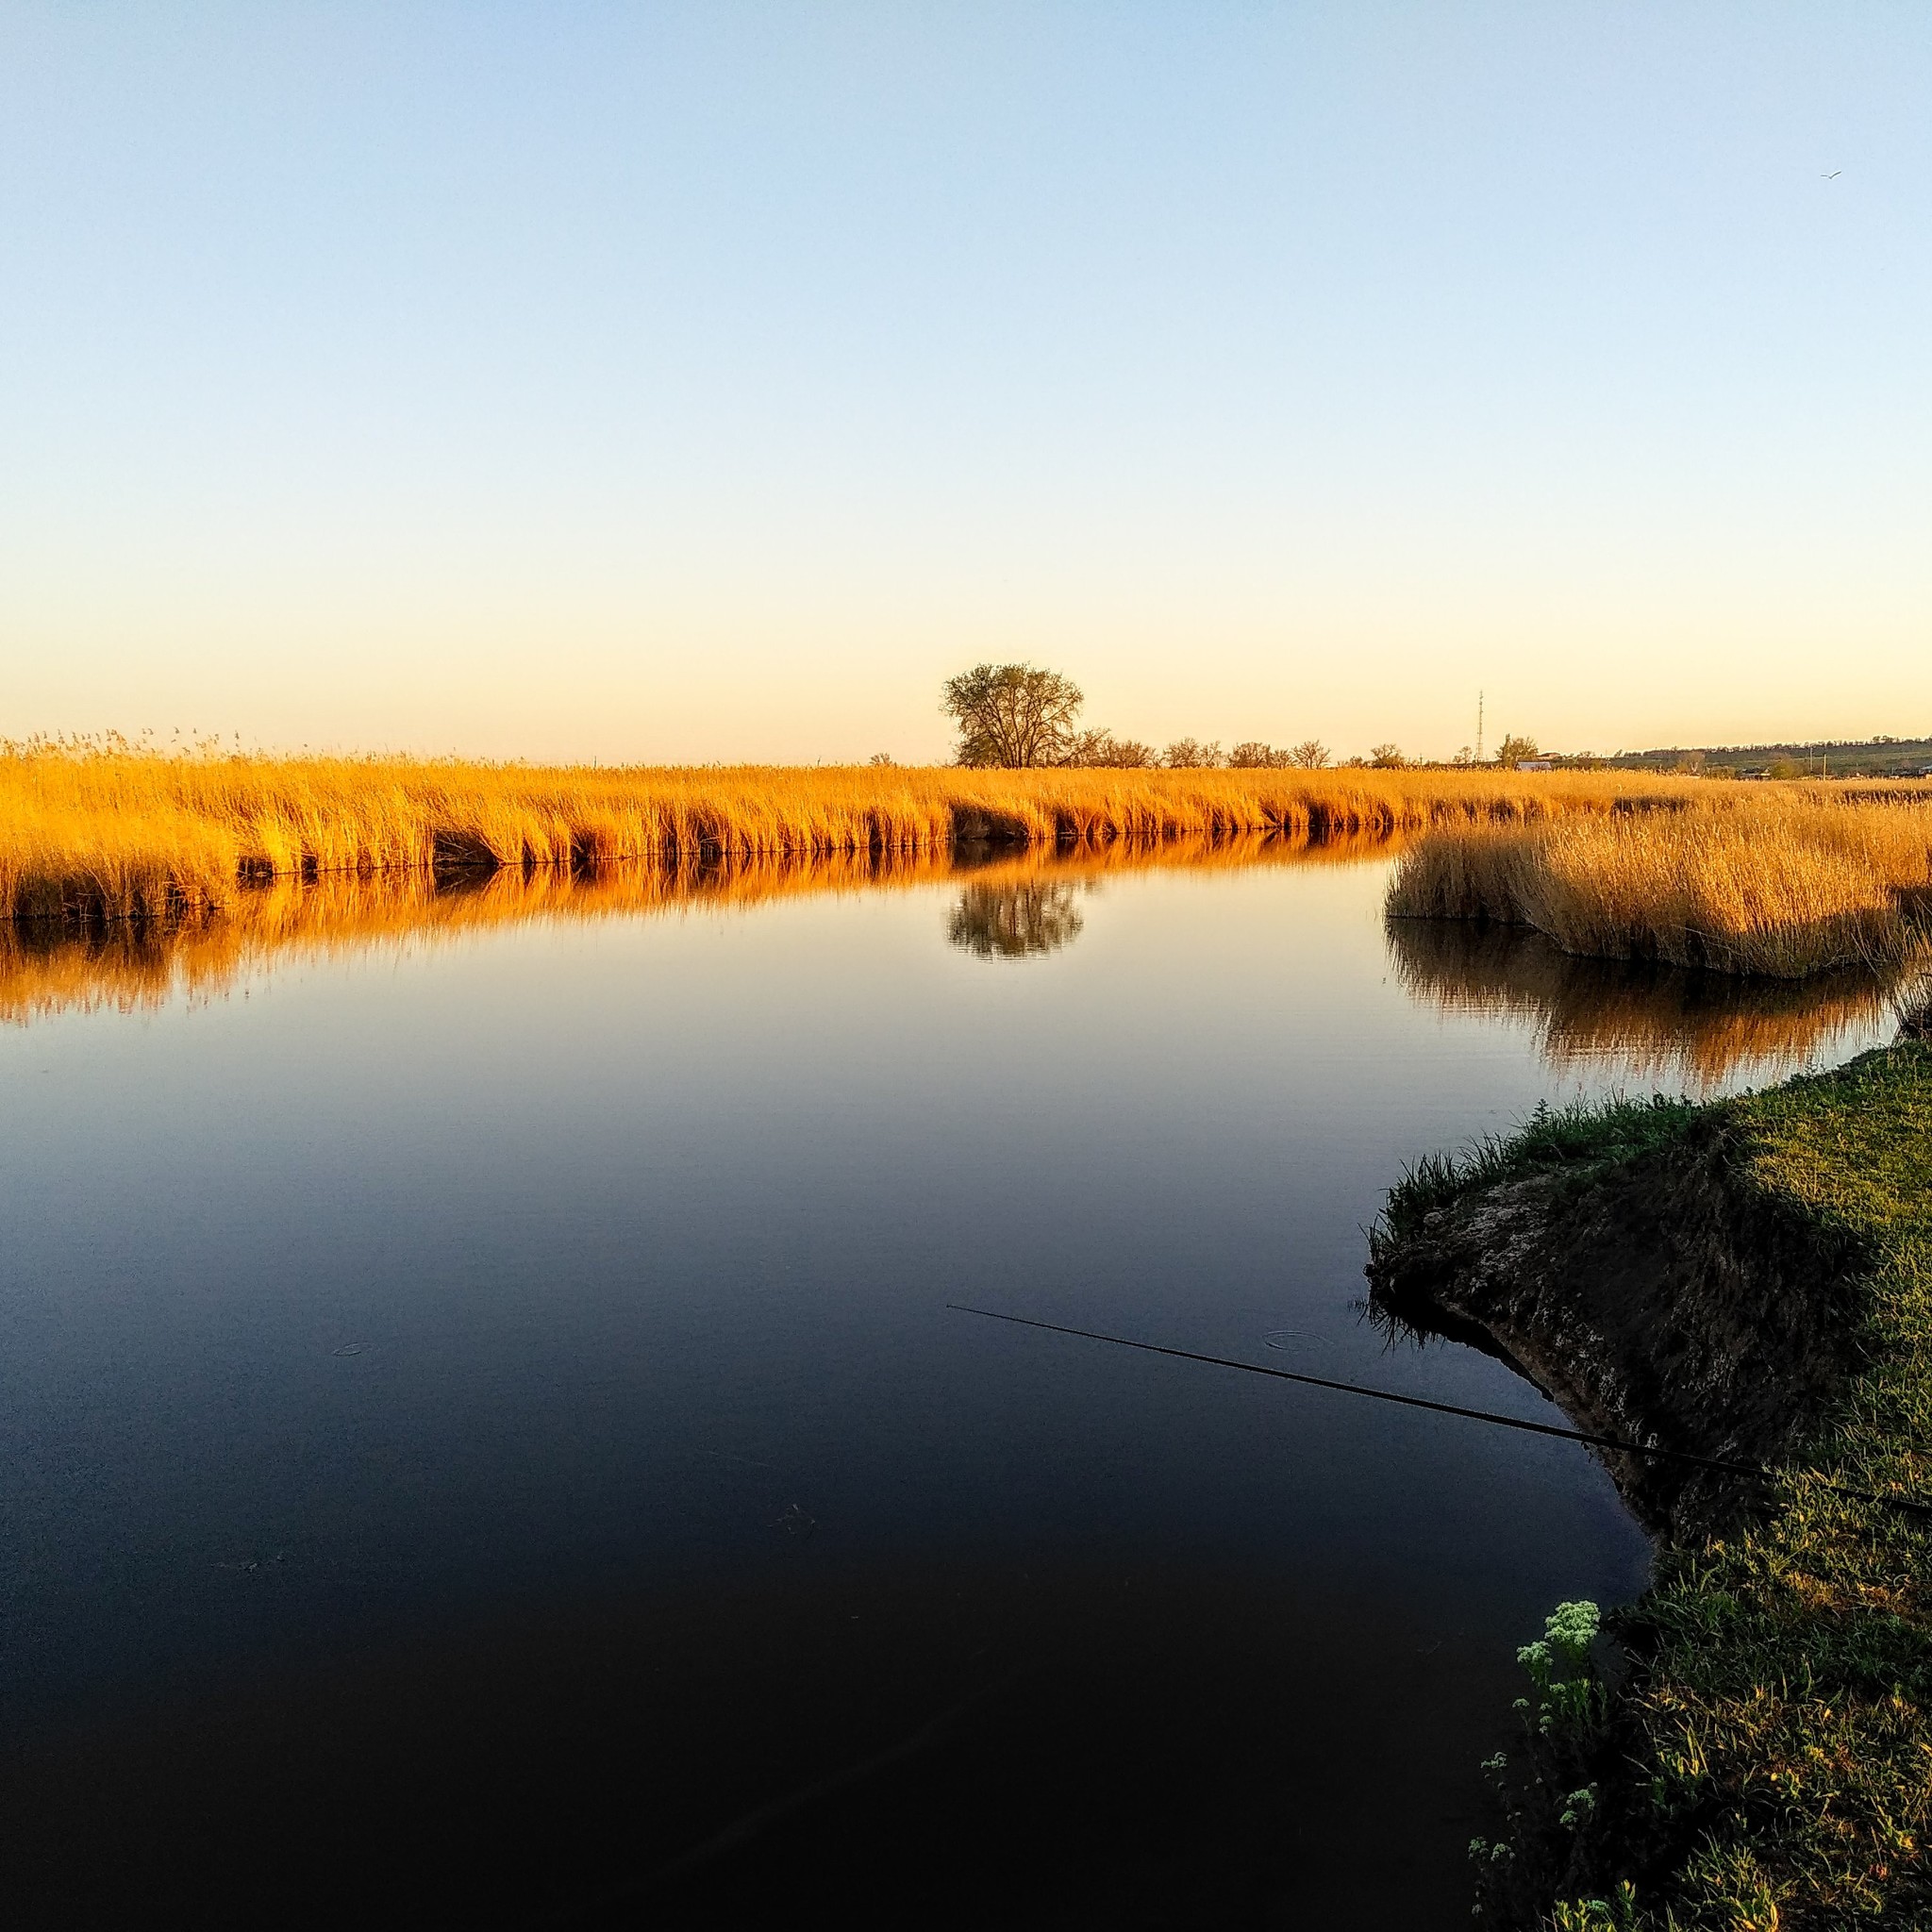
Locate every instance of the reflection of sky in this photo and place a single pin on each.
(715, 1174)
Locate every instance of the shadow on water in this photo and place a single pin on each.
(918, 1745)
(1668, 1024)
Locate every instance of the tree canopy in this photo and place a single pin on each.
(1012, 715)
(1015, 716)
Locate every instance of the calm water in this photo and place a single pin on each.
(484, 1438)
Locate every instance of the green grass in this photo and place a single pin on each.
(1768, 1763)
(1582, 1140)
(1791, 1690)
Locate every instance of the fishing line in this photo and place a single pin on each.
(1473, 1415)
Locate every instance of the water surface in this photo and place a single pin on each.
(482, 1435)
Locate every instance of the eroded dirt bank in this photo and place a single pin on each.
(1750, 1280)
(1664, 1298)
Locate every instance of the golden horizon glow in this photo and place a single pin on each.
(685, 387)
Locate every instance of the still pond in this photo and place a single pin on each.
(483, 1437)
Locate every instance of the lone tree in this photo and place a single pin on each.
(1514, 750)
(1012, 714)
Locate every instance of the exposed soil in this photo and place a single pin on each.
(1663, 1299)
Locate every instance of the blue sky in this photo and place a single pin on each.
(710, 381)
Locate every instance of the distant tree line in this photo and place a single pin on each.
(1881, 756)
(1015, 716)
(1018, 715)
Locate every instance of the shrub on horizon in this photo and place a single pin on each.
(1190, 755)
(1251, 754)
(1100, 748)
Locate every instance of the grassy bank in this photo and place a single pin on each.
(1768, 1763)
(1783, 882)
(119, 834)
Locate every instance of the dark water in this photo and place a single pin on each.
(483, 1440)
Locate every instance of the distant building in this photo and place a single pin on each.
(1536, 764)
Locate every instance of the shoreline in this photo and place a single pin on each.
(1748, 1279)
(131, 834)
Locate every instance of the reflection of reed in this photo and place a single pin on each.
(1667, 1022)
(48, 967)
(128, 964)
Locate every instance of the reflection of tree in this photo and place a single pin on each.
(1668, 1022)
(1015, 921)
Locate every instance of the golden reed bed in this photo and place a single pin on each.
(1781, 881)
(127, 835)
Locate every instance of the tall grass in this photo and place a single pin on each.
(1784, 883)
(114, 833)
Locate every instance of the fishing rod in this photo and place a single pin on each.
(1720, 1464)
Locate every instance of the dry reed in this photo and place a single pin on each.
(1783, 883)
(119, 834)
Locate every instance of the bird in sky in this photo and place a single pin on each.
(1833, 176)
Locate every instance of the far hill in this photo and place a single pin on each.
(1872, 758)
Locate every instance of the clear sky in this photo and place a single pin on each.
(710, 381)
